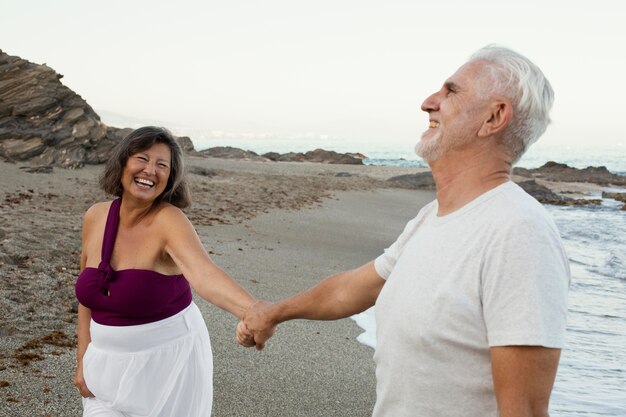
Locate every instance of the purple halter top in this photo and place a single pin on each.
(130, 296)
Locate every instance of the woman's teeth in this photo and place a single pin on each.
(144, 182)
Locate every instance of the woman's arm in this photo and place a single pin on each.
(183, 245)
(84, 317)
(84, 314)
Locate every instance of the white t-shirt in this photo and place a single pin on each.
(493, 273)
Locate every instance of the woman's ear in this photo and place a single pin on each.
(500, 116)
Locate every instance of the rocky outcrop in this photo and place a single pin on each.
(546, 196)
(553, 171)
(419, 181)
(331, 157)
(186, 144)
(424, 181)
(357, 155)
(615, 196)
(318, 155)
(46, 123)
(43, 120)
(202, 171)
(229, 152)
(621, 197)
(285, 157)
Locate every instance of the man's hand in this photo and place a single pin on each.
(259, 323)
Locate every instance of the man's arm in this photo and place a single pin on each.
(523, 377)
(336, 297)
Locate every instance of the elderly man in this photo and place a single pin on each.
(471, 299)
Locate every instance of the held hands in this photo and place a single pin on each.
(257, 326)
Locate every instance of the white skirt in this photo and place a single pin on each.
(160, 369)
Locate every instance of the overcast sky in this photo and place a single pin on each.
(352, 69)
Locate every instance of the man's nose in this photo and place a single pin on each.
(431, 103)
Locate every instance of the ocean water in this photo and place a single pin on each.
(591, 379)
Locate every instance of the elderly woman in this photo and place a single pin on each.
(143, 346)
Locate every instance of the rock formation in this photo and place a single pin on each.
(331, 157)
(285, 157)
(419, 181)
(424, 181)
(546, 196)
(318, 155)
(228, 152)
(43, 121)
(553, 171)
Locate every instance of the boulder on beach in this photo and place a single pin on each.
(546, 196)
(229, 152)
(615, 196)
(357, 155)
(285, 157)
(202, 171)
(331, 157)
(418, 181)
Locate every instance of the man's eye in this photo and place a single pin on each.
(450, 91)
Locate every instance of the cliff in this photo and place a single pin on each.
(46, 123)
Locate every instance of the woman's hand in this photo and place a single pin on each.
(244, 337)
(79, 382)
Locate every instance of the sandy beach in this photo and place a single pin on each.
(278, 228)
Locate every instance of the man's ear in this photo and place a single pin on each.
(500, 116)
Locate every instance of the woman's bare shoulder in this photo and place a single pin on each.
(172, 221)
(97, 210)
(95, 216)
(167, 212)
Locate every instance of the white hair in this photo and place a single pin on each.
(517, 78)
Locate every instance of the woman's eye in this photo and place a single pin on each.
(163, 166)
(142, 158)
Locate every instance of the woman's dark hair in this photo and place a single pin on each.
(176, 192)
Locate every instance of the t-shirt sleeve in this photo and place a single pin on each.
(525, 282)
(385, 263)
